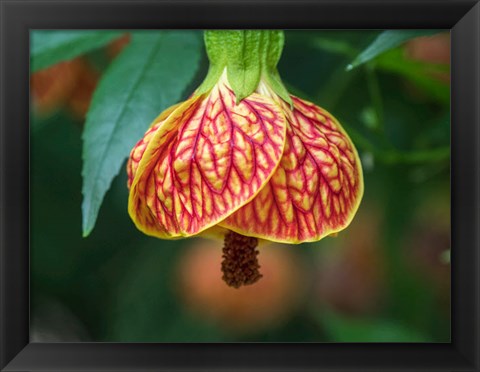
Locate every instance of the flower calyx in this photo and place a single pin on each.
(247, 56)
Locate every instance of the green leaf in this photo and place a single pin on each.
(151, 74)
(385, 41)
(50, 47)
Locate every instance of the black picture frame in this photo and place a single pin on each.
(18, 17)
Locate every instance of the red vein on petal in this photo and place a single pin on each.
(316, 188)
(205, 158)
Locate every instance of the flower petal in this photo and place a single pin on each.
(205, 161)
(315, 190)
(139, 149)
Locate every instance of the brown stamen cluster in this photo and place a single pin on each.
(240, 265)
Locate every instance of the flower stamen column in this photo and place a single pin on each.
(240, 264)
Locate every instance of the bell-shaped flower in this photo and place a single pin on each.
(244, 160)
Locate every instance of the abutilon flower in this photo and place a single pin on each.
(244, 160)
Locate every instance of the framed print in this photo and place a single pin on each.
(206, 185)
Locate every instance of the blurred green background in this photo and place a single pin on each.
(384, 279)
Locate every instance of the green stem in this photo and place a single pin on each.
(375, 96)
